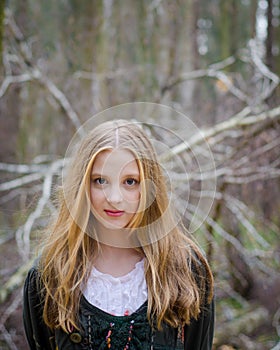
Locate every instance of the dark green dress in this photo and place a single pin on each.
(100, 330)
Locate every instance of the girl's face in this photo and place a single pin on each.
(115, 188)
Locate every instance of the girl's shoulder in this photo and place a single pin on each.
(33, 285)
(33, 275)
(37, 333)
(202, 275)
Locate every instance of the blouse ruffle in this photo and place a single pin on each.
(117, 295)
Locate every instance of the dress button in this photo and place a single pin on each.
(76, 338)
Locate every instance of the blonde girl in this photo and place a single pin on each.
(116, 270)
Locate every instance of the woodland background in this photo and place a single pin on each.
(216, 61)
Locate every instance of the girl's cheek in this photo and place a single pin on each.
(135, 197)
(94, 196)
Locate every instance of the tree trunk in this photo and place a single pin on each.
(269, 39)
(2, 8)
(253, 11)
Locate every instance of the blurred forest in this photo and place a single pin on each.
(216, 61)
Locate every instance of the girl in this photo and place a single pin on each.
(116, 271)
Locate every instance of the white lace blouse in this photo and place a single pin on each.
(117, 295)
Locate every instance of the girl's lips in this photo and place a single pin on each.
(114, 213)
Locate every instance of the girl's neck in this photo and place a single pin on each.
(114, 238)
(117, 261)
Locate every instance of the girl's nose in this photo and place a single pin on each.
(114, 195)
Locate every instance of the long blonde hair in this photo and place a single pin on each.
(178, 276)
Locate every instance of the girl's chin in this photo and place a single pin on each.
(111, 225)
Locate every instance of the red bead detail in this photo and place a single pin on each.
(183, 334)
(108, 339)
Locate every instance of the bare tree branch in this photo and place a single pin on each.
(211, 71)
(8, 338)
(234, 206)
(15, 79)
(240, 120)
(23, 233)
(36, 75)
(23, 168)
(24, 180)
(273, 79)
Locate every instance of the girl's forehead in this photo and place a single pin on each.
(114, 159)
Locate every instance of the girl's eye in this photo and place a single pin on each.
(100, 181)
(131, 182)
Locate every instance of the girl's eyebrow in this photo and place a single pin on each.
(123, 176)
(96, 174)
(131, 175)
